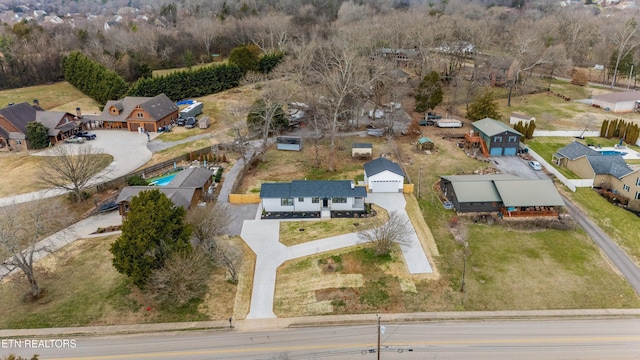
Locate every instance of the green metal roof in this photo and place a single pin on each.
(492, 127)
(423, 140)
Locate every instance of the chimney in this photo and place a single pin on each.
(352, 184)
(36, 102)
(78, 112)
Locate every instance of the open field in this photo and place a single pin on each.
(83, 288)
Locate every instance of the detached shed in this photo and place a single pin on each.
(361, 150)
(204, 122)
(292, 143)
(424, 143)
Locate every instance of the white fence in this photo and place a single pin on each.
(566, 133)
(572, 184)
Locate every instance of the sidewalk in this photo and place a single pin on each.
(257, 325)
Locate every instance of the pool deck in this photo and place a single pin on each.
(630, 153)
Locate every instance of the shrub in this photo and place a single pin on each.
(137, 180)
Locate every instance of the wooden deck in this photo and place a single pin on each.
(528, 213)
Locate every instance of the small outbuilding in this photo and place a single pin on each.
(204, 122)
(361, 150)
(291, 143)
(424, 143)
(382, 175)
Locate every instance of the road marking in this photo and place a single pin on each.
(555, 340)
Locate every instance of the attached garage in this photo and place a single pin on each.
(382, 175)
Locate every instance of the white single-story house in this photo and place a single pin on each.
(618, 102)
(515, 118)
(382, 175)
(361, 150)
(312, 196)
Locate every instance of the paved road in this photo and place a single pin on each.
(262, 236)
(618, 257)
(551, 339)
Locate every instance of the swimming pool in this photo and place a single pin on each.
(163, 180)
(612, 152)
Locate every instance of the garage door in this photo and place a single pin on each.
(497, 151)
(510, 151)
(385, 186)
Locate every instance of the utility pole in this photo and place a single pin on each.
(378, 316)
(419, 182)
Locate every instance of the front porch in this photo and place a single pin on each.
(537, 211)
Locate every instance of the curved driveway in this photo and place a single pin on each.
(262, 236)
(129, 151)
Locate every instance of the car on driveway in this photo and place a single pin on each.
(86, 135)
(180, 121)
(74, 140)
(535, 165)
(190, 123)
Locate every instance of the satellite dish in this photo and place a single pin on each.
(382, 329)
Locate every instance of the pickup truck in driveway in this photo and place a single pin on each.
(86, 135)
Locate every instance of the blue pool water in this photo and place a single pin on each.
(612, 152)
(163, 181)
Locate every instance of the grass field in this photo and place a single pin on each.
(83, 288)
(60, 96)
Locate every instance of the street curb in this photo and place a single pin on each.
(258, 325)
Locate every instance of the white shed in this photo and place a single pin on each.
(361, 150)
(382, 175)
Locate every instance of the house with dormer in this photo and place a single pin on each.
(13, 125)
(135, 113)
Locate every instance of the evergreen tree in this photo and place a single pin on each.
(37, 135)
(153, 230)
(604, 128)
(484, 106)
(429, 94)
(246, 57)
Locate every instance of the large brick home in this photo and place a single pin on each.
(132, 113)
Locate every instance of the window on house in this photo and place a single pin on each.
(512, 139)
(315, 199)
(300, 199)
(286, 201)
(625, 187)
(140, 115)
(637, 195)
(497, 139)
(339, 200)
(638, 181)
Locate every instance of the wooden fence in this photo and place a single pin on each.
(244, 198)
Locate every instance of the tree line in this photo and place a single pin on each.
(619, 128)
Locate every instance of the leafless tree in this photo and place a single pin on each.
(384, 235)
(182, 278)
(22, 227)
(228, 254)
(625, 36)
(73, 168)
(206, 30)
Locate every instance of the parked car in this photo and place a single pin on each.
(180, 121)
(108, 206)
(86, 135)
(190, 123)
(535, 165)
(74, 140)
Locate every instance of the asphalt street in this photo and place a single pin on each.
(504, 339)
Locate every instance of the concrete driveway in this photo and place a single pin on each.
(514, 165)
(262, 236)
(129, 151)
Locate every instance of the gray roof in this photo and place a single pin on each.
(195, 177)
(381, 164)
(180, 196)
(362, 146)
(619, 96)
(51, 119)
(157, 107)
(310, 188)
(525, 192)
(601, 164)
(508, 189)
(575, 150)
(19, 115)
(492, 127)
(609, 164)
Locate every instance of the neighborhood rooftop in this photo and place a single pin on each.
(180, 196)
(381, 164)
(309, 188)
(191, 177)
(601, 164)
(492, 127)
(619, 96)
